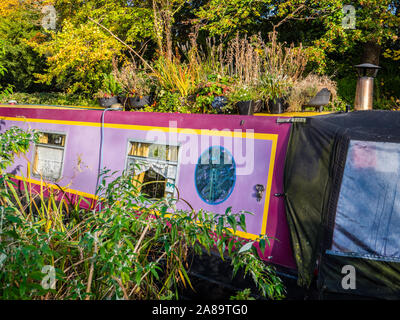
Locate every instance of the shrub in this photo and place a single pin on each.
(272, 87)
(77, 58)
(305, 89)
(129, 247)
(133, 79)
(168, 101)
(109, 87)
(207, 91)
(18, 25)
(49, 98)
(175, 76)
(133, 248)
(347, 89)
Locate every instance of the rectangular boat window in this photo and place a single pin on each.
(154, 167)
(49, 156)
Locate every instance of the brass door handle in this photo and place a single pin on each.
(260, 190)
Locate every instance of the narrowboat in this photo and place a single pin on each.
(322, 186)
(176, 148)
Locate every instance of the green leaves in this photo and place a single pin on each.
(110, 86)
(133, 248)
(16, 27)
(229, 16)
(246, 247)
(12, 142)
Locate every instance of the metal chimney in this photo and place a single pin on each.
(365, 86)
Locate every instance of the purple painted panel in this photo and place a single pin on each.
(81, 158)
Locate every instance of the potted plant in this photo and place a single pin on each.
(219, 103)
(273, 89)
(108, 95)
(139, 100)
(246, 100)
(137, 87)
(106, 99)
(210, 96)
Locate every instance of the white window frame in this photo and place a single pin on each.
(154, 160)
(44, 145)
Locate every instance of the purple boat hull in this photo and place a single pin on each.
(257, 145)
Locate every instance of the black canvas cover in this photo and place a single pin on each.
(342, 191)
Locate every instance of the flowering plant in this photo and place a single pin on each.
(110, 87)
(215, 86)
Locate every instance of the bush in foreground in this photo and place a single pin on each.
(131, 247)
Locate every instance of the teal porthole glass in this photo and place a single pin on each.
(215, 175)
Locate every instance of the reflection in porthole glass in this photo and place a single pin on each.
(215, 175)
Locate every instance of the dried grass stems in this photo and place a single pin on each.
(246, 60)
(307, 88)
(289, 61)
(249, 59)
(133, 77)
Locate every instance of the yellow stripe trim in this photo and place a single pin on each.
(293, 114)
(234, 134)
(68, 190)
(286, 114)
(269, 185)
(34, 106)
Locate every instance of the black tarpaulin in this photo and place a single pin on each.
(342, 191)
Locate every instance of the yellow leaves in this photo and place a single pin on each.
(82, 51)
(259, 51)
(7, 6)
(48, 225)
(174, 75)
(392, 54)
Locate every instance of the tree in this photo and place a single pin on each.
(376, 24)
(77, 57)
(19, 23)
(7, 7)
(320, 25)
(78, 52)
(3, 71)
(163, 14)
(227, 17)
(131, 20)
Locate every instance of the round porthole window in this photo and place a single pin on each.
(215, 175)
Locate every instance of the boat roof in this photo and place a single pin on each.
(40, 106)
(98, 108)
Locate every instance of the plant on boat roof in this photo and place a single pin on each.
(245, 93)
(133, 80)
(306, 88)
(110, 87)
(273, 87)
(207, 91)
(176, 76)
